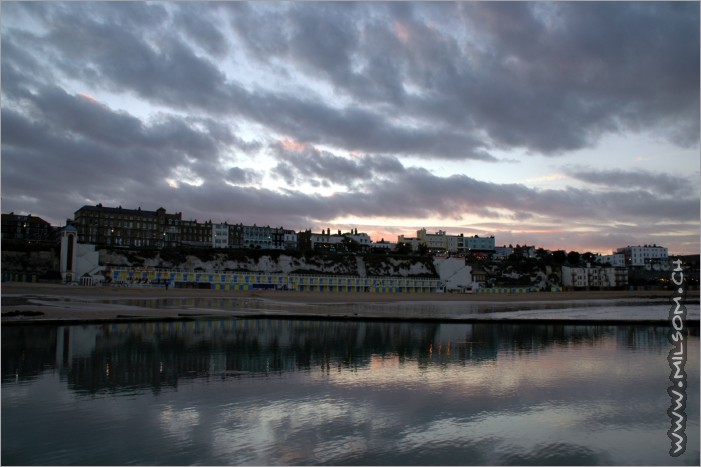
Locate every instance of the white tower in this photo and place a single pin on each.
(69, 240)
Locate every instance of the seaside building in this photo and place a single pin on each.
(78, 262)
(21, 227)
(439, 242)
(220, 235)
(326, 241)
(411, 242)
(617, 260)
(118, 227)
(383, 245)
(338, 242)
(442, 242)
(597, 277)
(254, 236)
(289, 238)
(480, 244)
(502, 252)
(644, 256)
(195, 234)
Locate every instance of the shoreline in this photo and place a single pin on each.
(31, 303)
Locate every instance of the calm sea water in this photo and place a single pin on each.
(338, 392)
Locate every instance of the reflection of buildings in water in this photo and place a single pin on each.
(27, 351)
(155, 355)
(642, 337)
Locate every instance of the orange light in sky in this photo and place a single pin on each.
(289, 144)
(87, 96)
(401, 31)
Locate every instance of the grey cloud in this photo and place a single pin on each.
(20, 69)
(162, 69)
(64, 140)
(325, 168)
(662, 184)
(595, 70)
(534, 83)
(358, 129)
(324, 44)
(82, 117)
(200, 25)
(436, 196)
(239, 176)
(263, 30)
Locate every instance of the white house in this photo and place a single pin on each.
(220, 235)
(617, 260)
(442, 241)
(596, 277)
(290, 239)
(643, 255)
(362, 238)
(477, 243)
(384, 245)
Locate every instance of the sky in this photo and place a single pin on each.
(568, 125)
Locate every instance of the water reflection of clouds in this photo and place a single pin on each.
(294, 430)
(564, 373)
(178, 423)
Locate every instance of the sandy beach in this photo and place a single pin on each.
(28, 302)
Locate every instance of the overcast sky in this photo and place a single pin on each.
(561, 125)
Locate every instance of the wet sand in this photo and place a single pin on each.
(35, 303)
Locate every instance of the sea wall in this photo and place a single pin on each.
(270, 262)
(39, 261)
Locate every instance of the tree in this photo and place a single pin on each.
(559, 257)
(589, 257)
(403, 248)
(573, 257)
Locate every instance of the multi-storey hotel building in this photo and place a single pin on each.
(21, 227)
(443, 242)
(643, 255)
(127, 227)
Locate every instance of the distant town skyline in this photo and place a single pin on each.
(569, 125)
